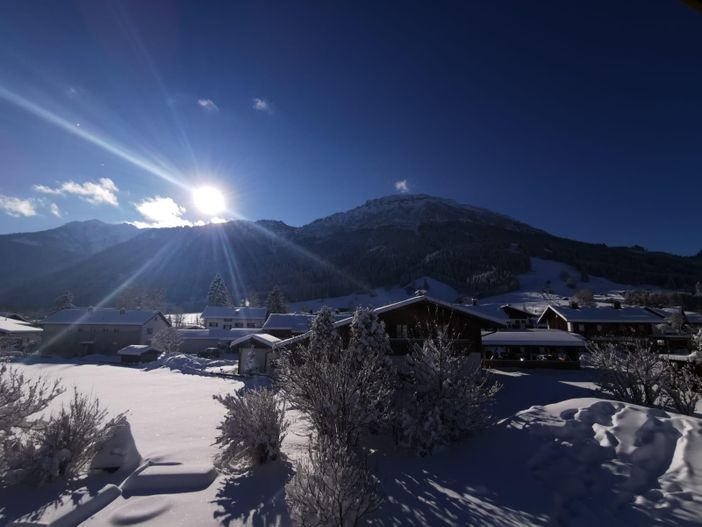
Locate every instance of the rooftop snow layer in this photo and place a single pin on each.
(9, 325)
(534, 337)
(101, 316)
(607, 314)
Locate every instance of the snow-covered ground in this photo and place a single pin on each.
(558, 456)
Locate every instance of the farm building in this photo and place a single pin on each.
(533, 348)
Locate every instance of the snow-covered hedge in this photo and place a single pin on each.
(253, 427)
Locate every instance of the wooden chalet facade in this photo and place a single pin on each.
(601, 323)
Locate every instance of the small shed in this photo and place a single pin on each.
(136, 353)
(254, 352)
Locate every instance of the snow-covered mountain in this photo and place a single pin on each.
(362, 254)
(409, 211)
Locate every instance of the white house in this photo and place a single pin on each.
(221, 317)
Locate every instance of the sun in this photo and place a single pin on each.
(209, 200)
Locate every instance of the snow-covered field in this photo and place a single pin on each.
(558, 456)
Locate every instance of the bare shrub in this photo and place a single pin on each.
(682, 388)
(167, 340)
(70, 440)
(253, 428)
(445, 397)
(630, 371)
(334, 487)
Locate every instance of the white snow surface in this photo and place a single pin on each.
(569, 458)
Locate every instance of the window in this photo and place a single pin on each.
(149, 331)
(401, 331)
(227, 319)
(239, 325)
(213, 324)
(599, 328)
(581, 327)
(227, 326)
(116, 330)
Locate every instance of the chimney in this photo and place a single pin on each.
(574, 305)
(474, 301)
(617, 304)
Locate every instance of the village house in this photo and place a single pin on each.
(286, 325)
(222, 317)
(527, 348)
(17, 335)
(98, 330)
(601, 323)
(407, 323)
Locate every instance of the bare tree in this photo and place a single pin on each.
(334, 487)
(167, 340)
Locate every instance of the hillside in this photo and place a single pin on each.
(384, 243)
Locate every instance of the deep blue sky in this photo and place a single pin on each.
(581, 118)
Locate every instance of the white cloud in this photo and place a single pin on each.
(17, 207)
(54, 209)
(208, 105)
(104, 191)
(161, 212)
(262, 105)
(401, 186)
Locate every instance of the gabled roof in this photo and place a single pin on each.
(603, 315)
(473, 311)
(102, 316)
(666, 312)
(535, 337)
(135, 350)
(261, 338)
(240, 313)
(10, 326)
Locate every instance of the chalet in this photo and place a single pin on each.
(136, 353)
(601, 323)
(84, 331)
(551, 348)
(222, 317)
(689, 320)
(510, 316)
(255, 352)
(406, 323)
(18, 335)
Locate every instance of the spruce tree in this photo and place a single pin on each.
(276, 303)
(218, 294)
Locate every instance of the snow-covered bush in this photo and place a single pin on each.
(341, 389)
(20, 399)
(167, 340)
(334, 487)
(631, 371)
(253, 428)
(445, 396)
(682, 388)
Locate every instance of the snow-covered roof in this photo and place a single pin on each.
(241, 313)
(604, 315)
(261, 338)
(101, 316)
(295, 322)
(10, 326)
(216, 333)
(666, 312)
(135, 350)
(534, 337)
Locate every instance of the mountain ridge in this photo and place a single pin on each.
(383, 242)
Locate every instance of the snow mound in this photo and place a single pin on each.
(617, 457)
(169, 478)
(193, 365)
(141, 510)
